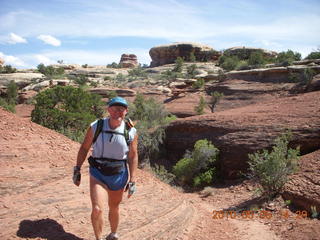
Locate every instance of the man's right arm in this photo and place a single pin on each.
(82, 154)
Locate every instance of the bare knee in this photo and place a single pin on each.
(96, 211)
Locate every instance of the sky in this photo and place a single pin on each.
(98, 32)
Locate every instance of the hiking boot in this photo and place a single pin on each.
(112, 236)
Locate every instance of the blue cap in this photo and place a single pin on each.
(118, 101)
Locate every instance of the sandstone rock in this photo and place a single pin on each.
(245, 52)
(120, 92)
(26, 95)
(164, 89)
(21, 79)
(66, 66)
(166, 54)
(38, 86)
(179, 85)
(314, 84)
(303, 189)
(128, 61)
(275, 74)
(240, 131)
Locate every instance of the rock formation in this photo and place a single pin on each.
(1, 61)
(165, 54)
(303, 189)
(245, 52)
(128, 61)
(240, 131)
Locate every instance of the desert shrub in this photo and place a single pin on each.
(191, 70)
(271, 169)
(12, 92)
(85, 65)
(67, 109)
(198, 84)
(7, 69)
(221, 76)
(7, 106)
(170, 75)
(114, 65)
(307, 76)
(120, 77)
(215, 98)
(243, 65)
(197, 167)
(192, 57)
(229, 63)
(314, 55)
(81, 79)
(151, 118)
(163, 174)
(256, 59)
(179, 64)
(199, 109)
(50, 71)
(288, 57)
(137, 72)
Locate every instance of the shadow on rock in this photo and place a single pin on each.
(45, 228)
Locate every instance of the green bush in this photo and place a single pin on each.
(192, 57)
(114, 65)
(7, 106)
(288, 57)
(197, 167)
(7, 69)
(191, 70)
(50, 71)
(199, 109)
(215, 98)
(256, 59)
(67, 109)
(81, 79)
(151, 118)
(163, 174)
(12, 92)
(229, 63)
(179, 64)
(198, 84)
(314, 55)
(137, 72)
(271, 169)
(170, 75)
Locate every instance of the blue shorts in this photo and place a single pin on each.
(114, 182)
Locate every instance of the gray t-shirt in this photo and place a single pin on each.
(110, 145)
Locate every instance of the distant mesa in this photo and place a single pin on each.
(128, 61)
(243, 52)
(166, 54)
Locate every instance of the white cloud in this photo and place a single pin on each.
(12, 60)
(50, 40)
(14, 38)
(39, 58)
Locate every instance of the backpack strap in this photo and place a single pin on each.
(98, 130)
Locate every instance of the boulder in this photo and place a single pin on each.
(314, 85)
(38, 86)
(237, 132)
(303, 188)
(245, 52)
(21, 79)
(128, 61)
(274, 74)
(166, 54)
(104, 92)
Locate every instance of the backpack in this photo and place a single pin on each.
(128, 125)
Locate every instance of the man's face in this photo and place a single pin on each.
(117, 112)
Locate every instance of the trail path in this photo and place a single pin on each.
(39, 201)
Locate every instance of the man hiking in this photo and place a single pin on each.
(113, 164)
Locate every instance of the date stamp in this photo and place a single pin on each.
(260, 214)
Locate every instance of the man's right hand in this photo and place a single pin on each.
(76, 176)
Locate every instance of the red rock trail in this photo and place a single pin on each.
(39, 200)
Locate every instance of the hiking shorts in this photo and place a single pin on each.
(113, 182)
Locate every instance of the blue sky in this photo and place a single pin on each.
(97, 32)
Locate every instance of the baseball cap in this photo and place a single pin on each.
(117, 101)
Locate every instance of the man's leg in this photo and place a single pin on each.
(98, 196)
(114, 199)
